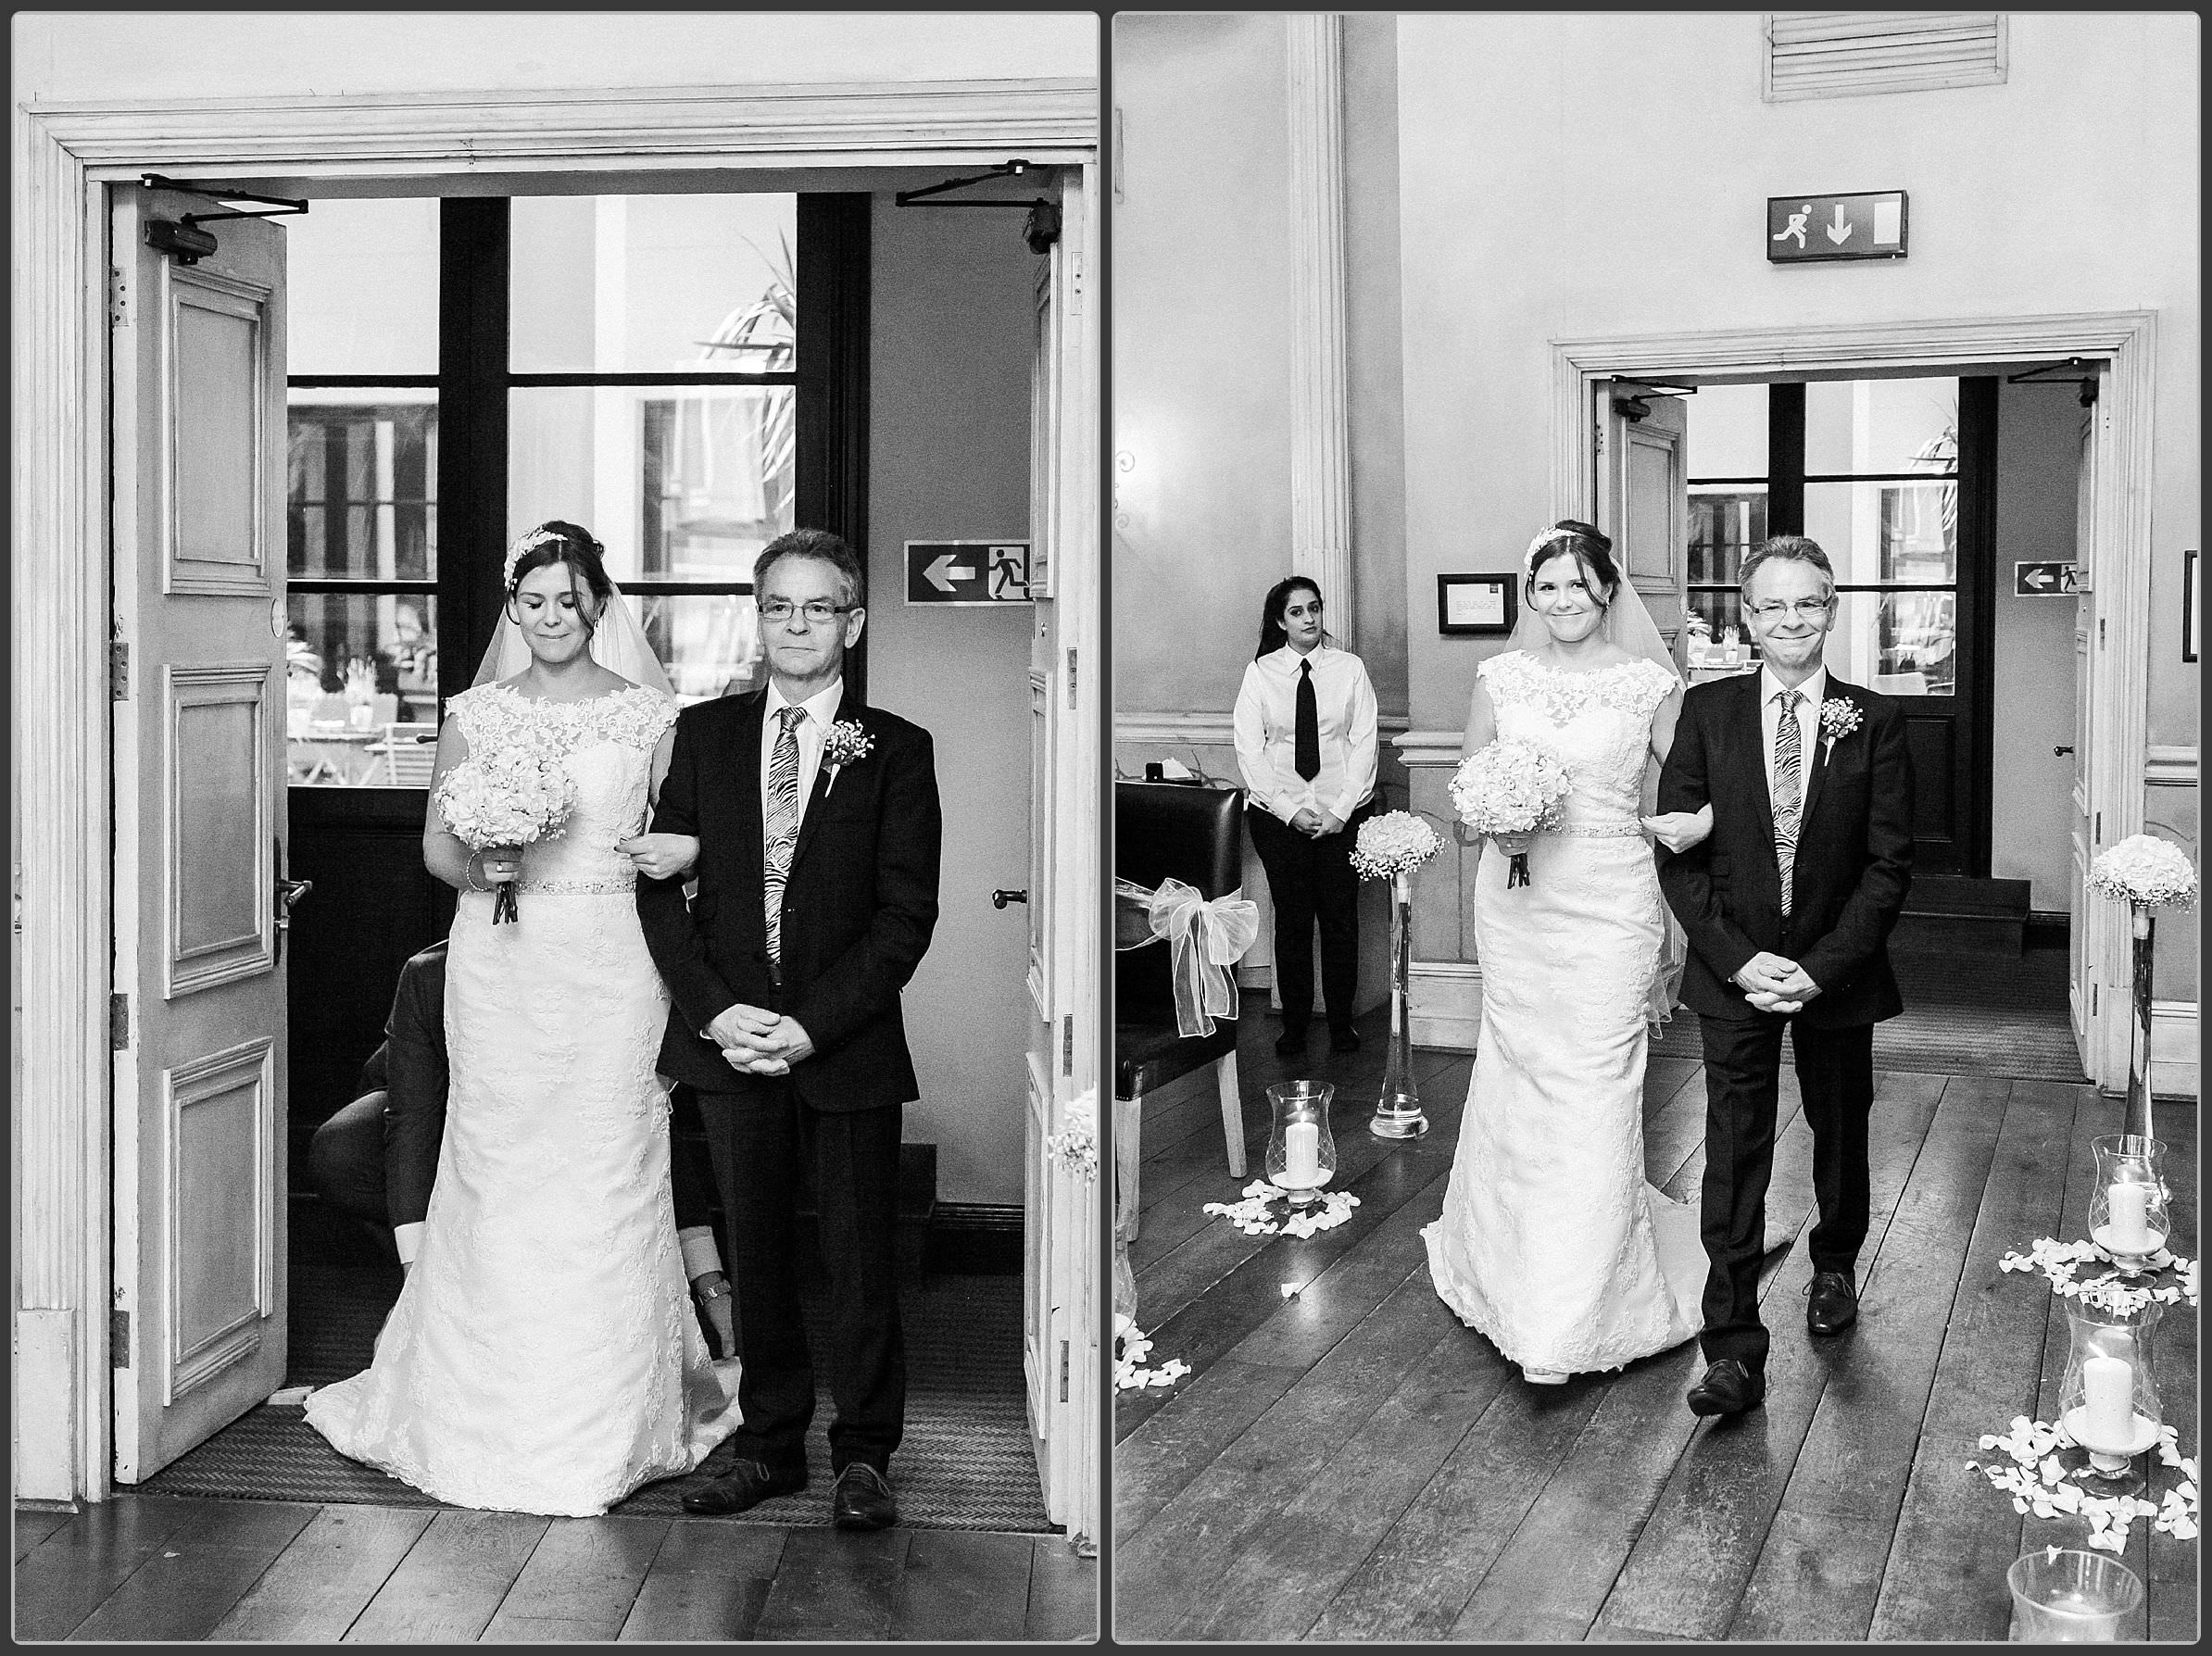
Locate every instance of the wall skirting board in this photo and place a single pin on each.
(2173, 1048)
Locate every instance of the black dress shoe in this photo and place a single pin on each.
(1344, 1040)
(1833, 1305)
(1728, 1388)
(1291, 1042)
(746, 1484)
(864, 1499)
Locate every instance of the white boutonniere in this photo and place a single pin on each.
(845, 744)
(1838, 718)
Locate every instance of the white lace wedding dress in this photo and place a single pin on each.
(542, 1357)
(1551, 1241)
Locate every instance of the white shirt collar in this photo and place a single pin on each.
(1814, 689)
(1289, 659)
(818, 707)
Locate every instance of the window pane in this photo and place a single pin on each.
(1899, 643)
(1886, 534)
(1727, 434)
(1724, 524)
(654, 283)
(361, 288)
(362, 682)
(362, 495)
(1857, 426)
(711, 645)
(1718, 642)
(684, 485)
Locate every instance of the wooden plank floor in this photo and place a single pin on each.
(1352, 1463)
(146, 1567)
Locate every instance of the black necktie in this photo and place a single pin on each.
(1308, 760)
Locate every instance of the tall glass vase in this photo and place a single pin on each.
(2137, 1120)
(1398, 1111)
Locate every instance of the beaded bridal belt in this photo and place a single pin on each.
(1603, 831)
(578, 887)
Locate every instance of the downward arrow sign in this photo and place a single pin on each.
(1839, 232)
(943, 572)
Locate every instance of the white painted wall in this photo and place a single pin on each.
(64, 55)
(955, 305)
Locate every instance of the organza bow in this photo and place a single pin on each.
(1206, 938)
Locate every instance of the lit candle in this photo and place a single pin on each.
(2108, 1403)
(2127, 1230)
(1301, 1155)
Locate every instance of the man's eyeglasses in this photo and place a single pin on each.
(1804, 608)
(818, 613)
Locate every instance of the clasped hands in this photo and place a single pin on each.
(1314, 824)
(755, 1041)
(1775, 985)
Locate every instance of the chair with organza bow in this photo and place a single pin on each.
(1179, 929)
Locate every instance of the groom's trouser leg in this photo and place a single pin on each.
(755, 1141)
(1743, 1081)
(855, 1155)
(1835, 1074)
(1287, 855)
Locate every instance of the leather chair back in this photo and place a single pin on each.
(1165, 830)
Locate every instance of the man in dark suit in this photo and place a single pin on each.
(1787, 905)
(818, 829)
(377, 1158)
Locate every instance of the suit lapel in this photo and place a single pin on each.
(846, 708)
(1816, 761)
(746, 759)
(1753, 733)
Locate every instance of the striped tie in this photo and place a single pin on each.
(1789, 788)
(782, 824)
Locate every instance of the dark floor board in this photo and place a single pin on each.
(720, 1547)
(326, 1577)
(695, 1605)
(835, 1585)
(964, 1585)
(1955, 1538)
(1674, 1120)
(580, 1582)
(1283, 1580)
(1250, 1293)
(1063, 1594)
(79, 1564)
(1192, 1538)
(1686, 1572)
(449, 1585)
(33, 1526)
(2172, 1585)
(1844, 1492)
(1178, 1441)
(199, 1573)
(1412, 1586)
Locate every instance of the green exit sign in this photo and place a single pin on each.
(1805, 229)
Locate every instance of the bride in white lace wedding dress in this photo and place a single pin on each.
(1551, 1241)
(543, 1356)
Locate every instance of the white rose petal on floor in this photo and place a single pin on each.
(1255, 1216)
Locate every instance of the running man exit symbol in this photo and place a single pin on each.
(967, 573)
(1849, 227)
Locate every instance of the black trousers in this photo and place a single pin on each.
(1310, 881)
(1835, 1077)
(761, 1143)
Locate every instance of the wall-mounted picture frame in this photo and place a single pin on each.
(1477, 606)
(2189, 603)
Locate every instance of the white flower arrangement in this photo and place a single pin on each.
(2144, 869)
(1397, 842)
(2037, 1482)
(516, 795)
(1076, 1146)
(1510, 790)
(846, 743)
(1839, 717)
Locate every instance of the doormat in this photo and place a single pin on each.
(966, 1461)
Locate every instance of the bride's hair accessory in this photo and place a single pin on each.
(543, 535)
(1555, 536)
(618, 641)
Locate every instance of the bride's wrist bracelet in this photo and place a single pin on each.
(469, 871)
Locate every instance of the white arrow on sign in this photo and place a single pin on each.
(943, 572)
(2039, 579)
(1839, 232)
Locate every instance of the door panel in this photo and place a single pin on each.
(199, 1074)
(2083, 993)
(1643, 497)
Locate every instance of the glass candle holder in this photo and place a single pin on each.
(1398, 1112)
(2108, 1401)
(2061, 1595)
(2128, 1215)
(1302, 1154)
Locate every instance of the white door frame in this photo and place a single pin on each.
(2118, 562)
(64, 154)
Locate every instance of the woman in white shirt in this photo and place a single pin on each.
(1305, 728)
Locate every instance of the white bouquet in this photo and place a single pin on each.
(2146, 870)
(1511, 791)
(517, 795)
(1397, 842)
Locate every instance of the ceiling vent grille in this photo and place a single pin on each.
(1844, 53)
